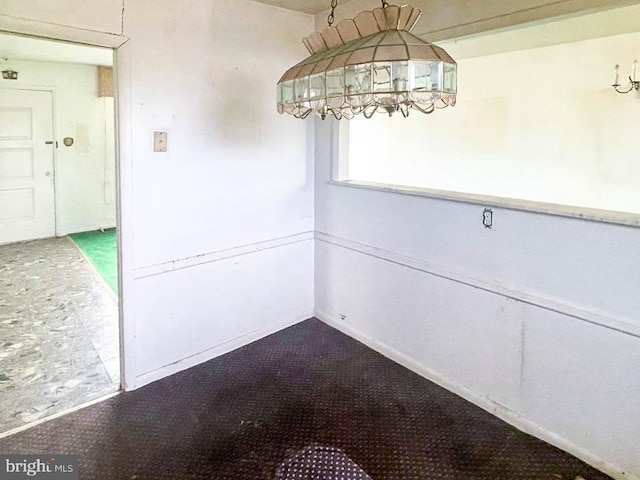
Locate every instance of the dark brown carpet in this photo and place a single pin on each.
(256, 412)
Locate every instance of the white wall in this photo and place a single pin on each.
(218, 229)
(536, 319)
(236, 183)
(232, 199)
(84, 172)
(541, 124)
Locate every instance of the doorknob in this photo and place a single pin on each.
(48, 173)
(49, 142)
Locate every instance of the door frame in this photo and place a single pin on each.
(124, 165)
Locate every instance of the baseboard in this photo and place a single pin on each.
(481, 401)
(218, 350)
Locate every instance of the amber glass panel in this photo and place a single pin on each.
(373, 41)
(366, 23)
(443, 55)
(403, 19)
(364, 55)
(316, 42)
(422, 52)
(321, 66)
(306, 70)
(331, 37)
(391, 38)
(339, 61)
(398, 52)
(347, 30)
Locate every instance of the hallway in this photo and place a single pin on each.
(58, 331)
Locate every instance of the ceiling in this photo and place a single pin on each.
(607, 23)
(15, 47)
(305, 6)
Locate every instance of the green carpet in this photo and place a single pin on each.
(102, 251)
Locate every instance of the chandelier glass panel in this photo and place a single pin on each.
(371, 63)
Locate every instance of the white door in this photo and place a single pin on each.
(27, 208)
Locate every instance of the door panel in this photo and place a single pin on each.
(16, 163)
(16, 123)
(27, 206)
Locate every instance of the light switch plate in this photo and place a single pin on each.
(159, 141)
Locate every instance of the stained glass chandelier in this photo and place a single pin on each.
(371, 63)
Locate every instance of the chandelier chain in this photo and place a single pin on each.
(331, 17)
(385, 4)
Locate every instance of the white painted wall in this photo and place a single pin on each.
(85, 172)
(236, 174)
(541, 124)
(236, 183)
(506, 317)
(536, 320)
(218, 229)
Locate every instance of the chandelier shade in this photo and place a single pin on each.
(371, 63)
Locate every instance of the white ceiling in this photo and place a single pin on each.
(305, 6)
(15, 47)
(616, 21)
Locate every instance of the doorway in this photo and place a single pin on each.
(59, 313)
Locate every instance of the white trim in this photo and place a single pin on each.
(509, 416)
(581, 213)
(604, 319)
(125, 216)
(195, 260)
(218, 350)
(34, 28)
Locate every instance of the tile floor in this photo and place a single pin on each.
(59, 343)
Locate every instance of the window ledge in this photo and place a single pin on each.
(582, 213)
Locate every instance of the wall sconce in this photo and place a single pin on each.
(9, 74)
(634, 83)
